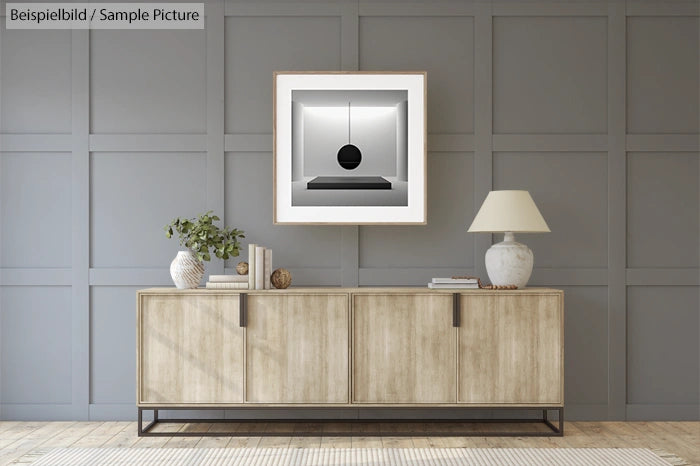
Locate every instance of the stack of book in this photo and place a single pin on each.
(238, 282)
(452, 283)
(259, 271)
(259, 267)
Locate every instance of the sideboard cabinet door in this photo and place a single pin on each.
(297, 348)
(190, 349)
(403, 348)
(511, 349)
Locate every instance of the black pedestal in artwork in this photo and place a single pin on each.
(348, 182)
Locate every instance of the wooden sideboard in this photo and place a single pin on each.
(350, 347)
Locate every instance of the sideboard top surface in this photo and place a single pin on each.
(366, 290)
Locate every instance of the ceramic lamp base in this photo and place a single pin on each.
(509, 262)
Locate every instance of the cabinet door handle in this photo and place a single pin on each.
(455, 309)
(243, 309)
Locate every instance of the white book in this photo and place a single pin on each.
(259, 267)
(251, 266)
(228, 285)
(455, 280)
(268, 268)
(228, 278)
(450, 286)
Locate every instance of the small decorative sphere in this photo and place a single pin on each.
(242, 268)
(281, 279)
(349, 157)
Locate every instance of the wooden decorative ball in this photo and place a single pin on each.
(242, 268)
(281, 279)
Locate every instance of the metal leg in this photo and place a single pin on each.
(554, 431)
(558, 431)
(144, 431)
(561, 421)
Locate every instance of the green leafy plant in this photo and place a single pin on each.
(200, 236)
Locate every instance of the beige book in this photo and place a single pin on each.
(228, 278)
(227, 285)
(251, 266)
(259, 267)
(268, 268)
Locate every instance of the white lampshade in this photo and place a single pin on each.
(509, 211)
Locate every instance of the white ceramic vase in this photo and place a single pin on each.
(186, 270)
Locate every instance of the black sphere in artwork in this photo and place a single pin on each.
(349, 157)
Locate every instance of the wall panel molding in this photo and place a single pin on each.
(438, 8)
(130, 277)
(550, 142)
(559, 276)
(586, 412)
(617, 208)
(350, 38)
(248, 142)
(663, 277)
(80, 185)
(680, 412)
(283, 9)
(659, 8)
(663, 142)
(215, 110)
(450, 143)
(148, 142)
(39, 412)
(35, 142)
(549, 8)
(35, 277)
(483, 122)
(112, 411)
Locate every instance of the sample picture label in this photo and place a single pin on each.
(104, 16)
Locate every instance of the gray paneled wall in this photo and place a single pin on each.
(592, 106)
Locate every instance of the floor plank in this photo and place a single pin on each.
(247, 442)
(306, 441)
(659, 437)
(32, 441)
(329, 440)
(366, 442)
(396, 442)
(124, 439)
(17, 432)
(101, 435)
(214, 442)
(69, 436)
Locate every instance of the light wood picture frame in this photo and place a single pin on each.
(349, 147)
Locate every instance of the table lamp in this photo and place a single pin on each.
(509, 212)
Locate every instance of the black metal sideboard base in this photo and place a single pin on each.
(553, 431)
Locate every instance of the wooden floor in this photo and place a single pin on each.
(19, 439)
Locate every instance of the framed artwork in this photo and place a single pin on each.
(350, 148)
